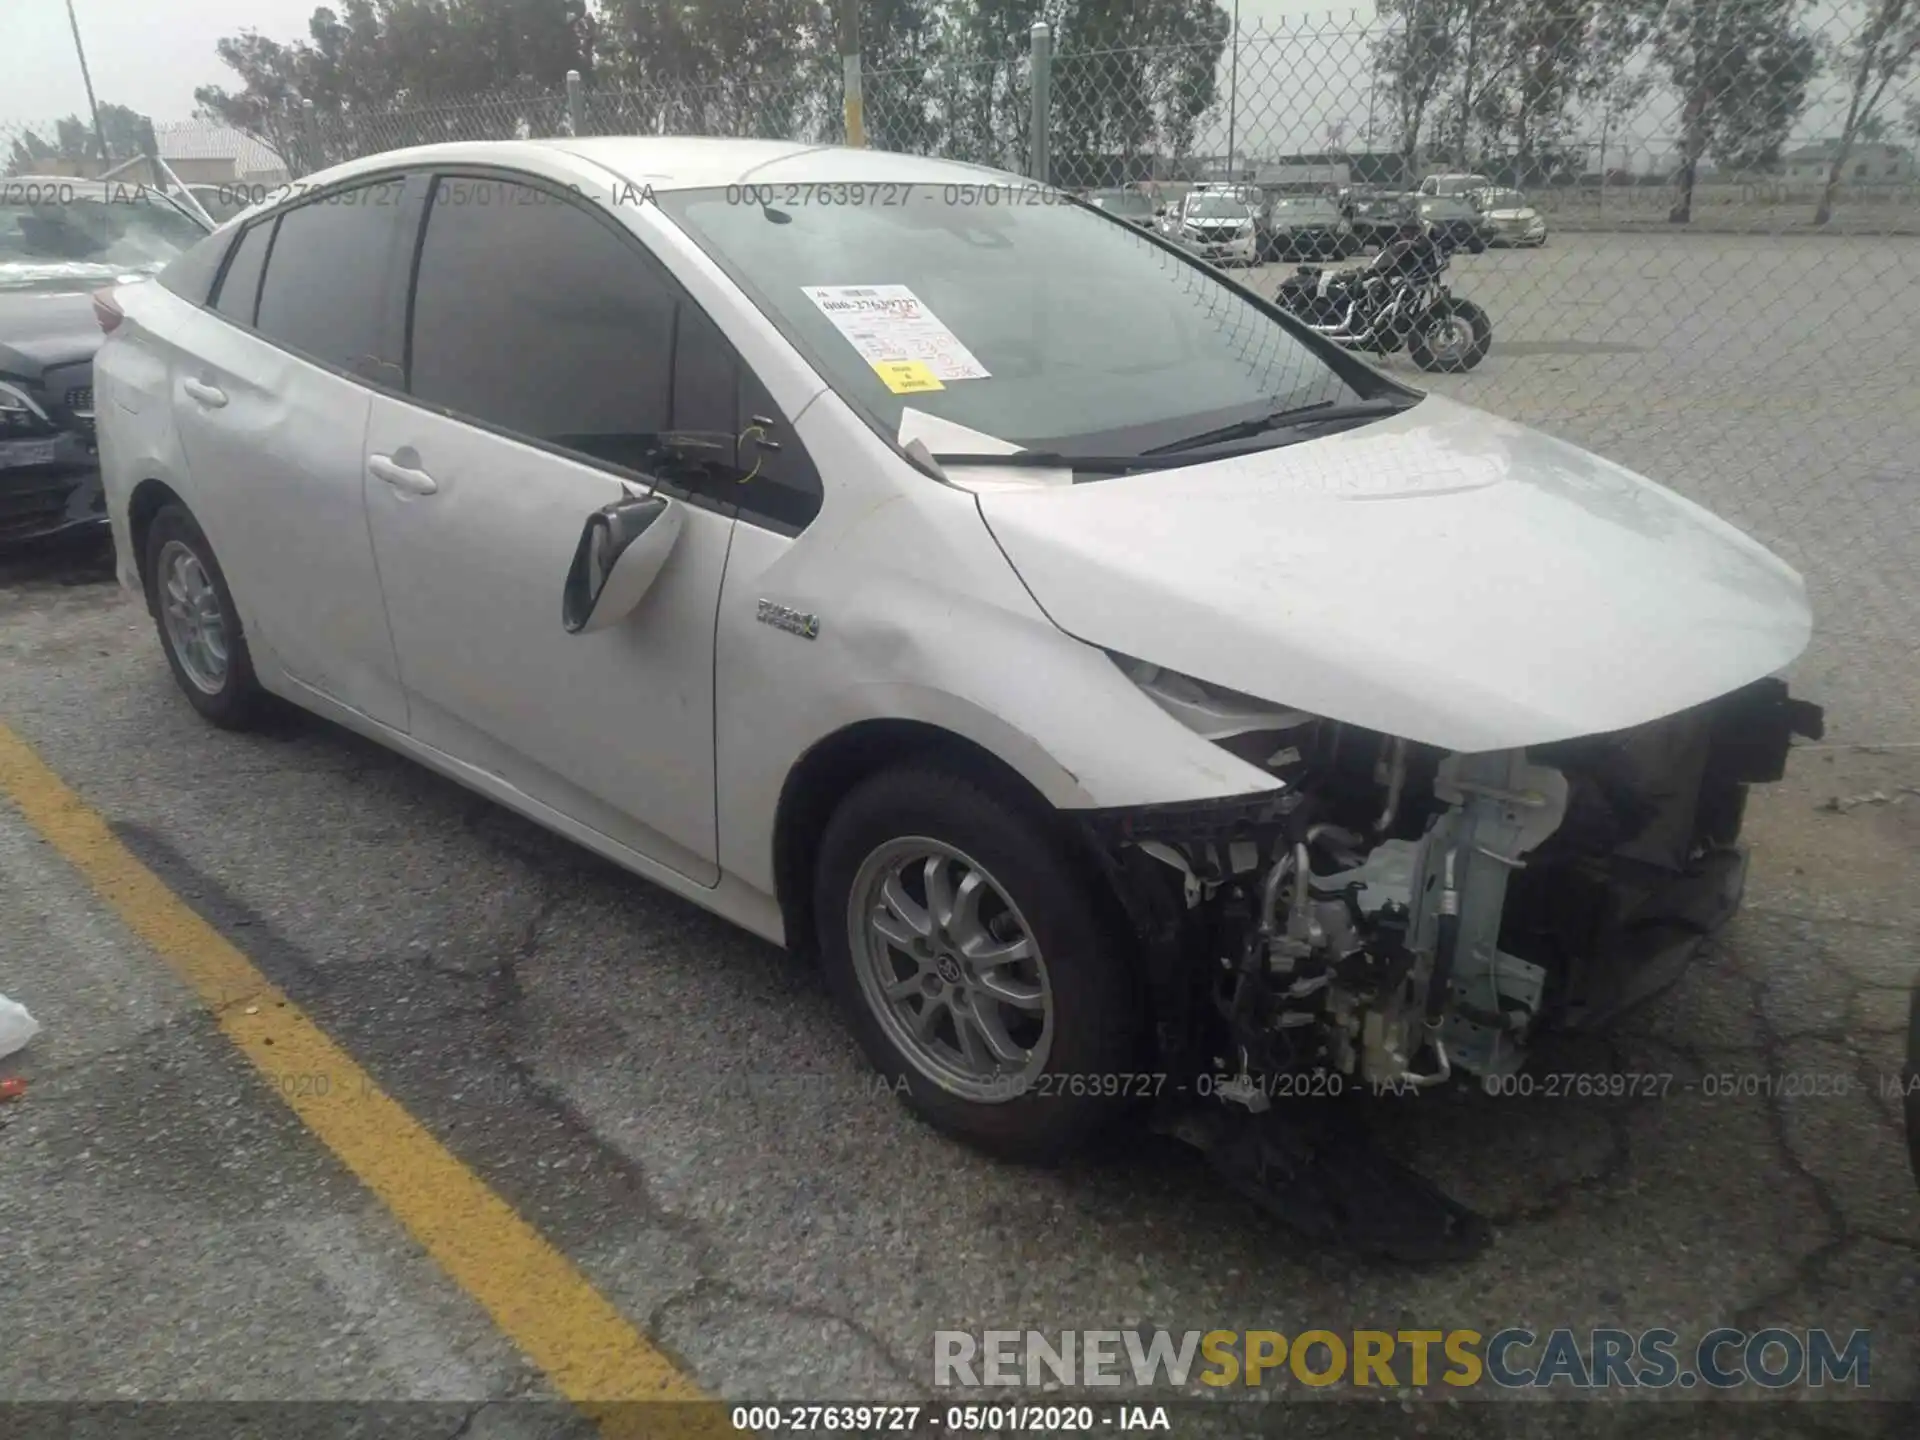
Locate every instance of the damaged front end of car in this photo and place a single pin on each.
(1394, 918)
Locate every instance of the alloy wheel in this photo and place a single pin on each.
(951, 969)
(195, 622)
(1450, 339)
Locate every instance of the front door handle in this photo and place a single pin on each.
(209, 395)
(401, 477)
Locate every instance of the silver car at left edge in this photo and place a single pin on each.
(1136, 703)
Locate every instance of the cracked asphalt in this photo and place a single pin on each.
(678, 1109)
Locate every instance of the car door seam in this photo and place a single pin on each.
(713, 706)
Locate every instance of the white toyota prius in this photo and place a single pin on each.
(1126, 694)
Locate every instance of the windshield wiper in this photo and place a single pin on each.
(1054, 460)
(1320, 412)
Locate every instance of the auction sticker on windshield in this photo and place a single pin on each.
(907, 377)
(888, 324)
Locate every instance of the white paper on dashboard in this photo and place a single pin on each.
(890, 322)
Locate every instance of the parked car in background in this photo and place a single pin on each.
(1306, 227)
(1377, 211)
(611, 514)
(1460, 183)
(60, 240)
(1216, 227)
(1250, 195)
(1456, 220)
(1129, 205)
(1510, 219)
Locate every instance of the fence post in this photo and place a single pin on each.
(310, 137)
(1038, 159)
(850, 72)
(573, 102)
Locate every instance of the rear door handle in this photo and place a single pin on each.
(209, 395)
(401, 477)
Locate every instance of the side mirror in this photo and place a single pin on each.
(620, 555)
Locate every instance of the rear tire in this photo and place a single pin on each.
(1039, 1078)
(1459, 356)
(198, 623)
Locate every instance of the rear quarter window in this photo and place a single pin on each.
(239, 289)
(191, 274)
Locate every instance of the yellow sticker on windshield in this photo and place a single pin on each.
(907, 377)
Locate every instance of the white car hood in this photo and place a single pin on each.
(1443, 575)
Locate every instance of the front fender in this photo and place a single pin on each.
(921, 618)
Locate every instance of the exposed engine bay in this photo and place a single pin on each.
(1395, 918)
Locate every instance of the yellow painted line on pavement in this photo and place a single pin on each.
(590, 1352)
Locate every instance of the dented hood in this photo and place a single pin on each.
(1442, 575)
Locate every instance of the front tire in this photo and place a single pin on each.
(1451, 338)
(199, 626)
(975, 964)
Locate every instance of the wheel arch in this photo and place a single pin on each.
(838, 762)
(149, 497)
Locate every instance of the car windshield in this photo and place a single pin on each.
(1218, 207)
(61, 234)
(1036, 323)
(1502, 199)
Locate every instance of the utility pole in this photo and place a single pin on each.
(1233, 94)
(850, 70)
(99, 135)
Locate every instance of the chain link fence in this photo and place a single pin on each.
(1726, 292)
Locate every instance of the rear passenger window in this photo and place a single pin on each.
(330, 289)
(239, 288)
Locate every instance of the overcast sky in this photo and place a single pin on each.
(150, 54)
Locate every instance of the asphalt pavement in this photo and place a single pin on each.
(676, 1110)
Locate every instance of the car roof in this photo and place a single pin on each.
(676, 162)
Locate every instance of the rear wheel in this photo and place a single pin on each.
(199, 626)
(1452, 337)
(974, 964)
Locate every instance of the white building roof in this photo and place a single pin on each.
(208, 140)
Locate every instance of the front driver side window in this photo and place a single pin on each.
(538, 316)
(534, 315)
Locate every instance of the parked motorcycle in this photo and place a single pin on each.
(1396, 301)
